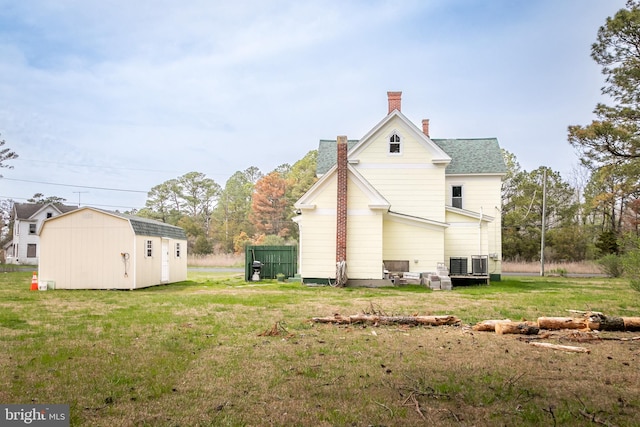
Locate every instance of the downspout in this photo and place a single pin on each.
(480, 231)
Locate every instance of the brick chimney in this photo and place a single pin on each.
(395, 102)
(425, 127)
(341, 203)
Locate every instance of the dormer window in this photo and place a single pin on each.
(394, 144)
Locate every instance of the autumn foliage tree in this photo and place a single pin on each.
(269, 205)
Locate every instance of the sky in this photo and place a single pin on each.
(103, 100)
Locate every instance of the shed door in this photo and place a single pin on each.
(165, 261)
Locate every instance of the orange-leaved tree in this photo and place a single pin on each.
(269, 205)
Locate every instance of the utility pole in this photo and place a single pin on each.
(544, 210)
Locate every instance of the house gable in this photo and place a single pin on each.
(327, 183)
(397, 123)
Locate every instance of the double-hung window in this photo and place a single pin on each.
(456, 196)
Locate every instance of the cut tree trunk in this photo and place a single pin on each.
(631, 324)
(561, 323)
(600, 322)
(390, 320)
(488, 325)
(523, 328)
(561, 347)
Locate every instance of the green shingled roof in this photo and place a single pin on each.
(328, 154)
(468, 156)
(478, 155)
(150, 227)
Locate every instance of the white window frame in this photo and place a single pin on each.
(148, 248)
(32, 250)
(394, 139)
(460, 197)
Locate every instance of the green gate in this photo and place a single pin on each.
(274, 259)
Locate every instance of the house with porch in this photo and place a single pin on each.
(397, 200)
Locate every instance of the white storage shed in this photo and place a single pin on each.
(91, 248)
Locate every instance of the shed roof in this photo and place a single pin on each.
(150, 227)
(468, 156)
(141, 226)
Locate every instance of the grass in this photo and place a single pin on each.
(195, 353)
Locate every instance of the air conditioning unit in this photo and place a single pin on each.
(458, 266)
(479, 265)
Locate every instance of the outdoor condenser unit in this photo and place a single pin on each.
(479, 265)
(458, 266)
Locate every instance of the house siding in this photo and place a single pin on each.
(479, 195)
(419, 244)
(409, 181)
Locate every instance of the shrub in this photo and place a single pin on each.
(611, 265)
(631, 268)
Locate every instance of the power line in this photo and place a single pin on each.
(94, 166)
(111, 167)
(76, 186)
(92, 204)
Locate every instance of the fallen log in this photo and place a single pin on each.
(561, 323)
(600, 322)
(389, 320)
(561, 347)
(523, 328)
(488, 325)
(631, 324)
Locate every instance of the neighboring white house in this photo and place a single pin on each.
(400, 200)
(91, 248)
(27, 217)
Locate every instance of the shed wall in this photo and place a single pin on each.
(83, 251)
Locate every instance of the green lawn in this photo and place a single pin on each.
(195, 353)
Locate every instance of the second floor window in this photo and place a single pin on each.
(456, 196)
(32, 229)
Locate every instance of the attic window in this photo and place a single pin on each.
(394, 144)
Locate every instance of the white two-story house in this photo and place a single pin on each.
(396, 199)
(27, 219)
